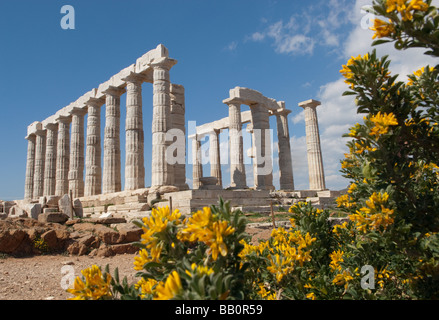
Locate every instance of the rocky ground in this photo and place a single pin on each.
(42, 277)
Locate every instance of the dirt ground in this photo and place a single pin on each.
(43, 277)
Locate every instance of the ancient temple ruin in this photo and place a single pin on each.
(61, 159)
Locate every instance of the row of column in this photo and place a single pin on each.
(263, 178)
(261, 150)
(55, 158)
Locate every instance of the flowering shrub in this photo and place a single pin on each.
(391, 216)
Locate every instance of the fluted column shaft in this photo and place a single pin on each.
(134, 164)
(215, 156)
(315, 162)
(93, 168)
(112, 166)
(30, 167)
(63, 157)
(285, 162)
(76, 168)
(262, 165)
(178, 123)
(237, 168)
(197, 171)
(50, 161)
(40, 155)
(161, 171)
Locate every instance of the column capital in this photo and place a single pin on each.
(135, 77)
(232, 102)
(31, 137)
(309, 103)
(95, 102)
(114, 91)
(63, 119)
(164, 62)
(51, 126)
(279, 112)
(41, 132)
(78, 111)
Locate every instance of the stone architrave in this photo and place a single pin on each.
(237, 168)
(161, 170)
(111, 177)
(134, 164)
(76, 168)
(30, 167)
(262, 161)
(315, 162)
(197, 169)
(93, 167)
(40, 155)
(63, 155)
(50, 163)
(215, 156)
(285, 162)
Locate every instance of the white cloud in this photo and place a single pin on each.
(231, 46)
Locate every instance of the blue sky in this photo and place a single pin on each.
(288, 50)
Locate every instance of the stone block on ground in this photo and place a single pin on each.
(77, 208)
(34, 210)
(65, 205)
(17, 212)
(55, 217)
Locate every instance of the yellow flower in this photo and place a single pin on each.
(170, 288)
(265, 294)
(417, 74)
(352, 188)
(382, 29)
(345, 201)
(95, 286)
(200, 270)
(405, 10)
(381, 122)
(342, 279)
(336, 258)
(339, 226)
(146, 286)
(202, 227)
(346, 71)
(146, 256)
(158, 222)
(311, 296)
(374, 215)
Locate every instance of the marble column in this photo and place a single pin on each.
(134, 164)
(40, 155)
(215, 156)
(50, 161)
(93, 167)
(30, 167)
(315, 162)
(76, 168)
(263, 163)
(111, 178)
(237, 168)
(161, 170)
(179, 123)
(197, 169)
(63, 156)
(285, 162)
